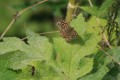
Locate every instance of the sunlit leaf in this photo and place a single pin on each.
(70, 56)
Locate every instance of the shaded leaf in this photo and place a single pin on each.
(98, 75)
(105, 7)
(118, 77)
(5, 72)
(91, 10)
(115, 52)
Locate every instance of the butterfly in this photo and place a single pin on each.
(66, 31)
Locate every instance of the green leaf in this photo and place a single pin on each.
(118, 77)
(109, 77)
(8, 75)
(113, 73)
(104, 7)
(98, 12)
(94, 23)
(15, 44)
(70, 56)
(91, 10)
(85, 63)
(42, 71)
(79, 24)
(24, 53)
(98, 75)
(5, 72)
(10, 44)
(20, 60)
(37, 52)
(40, 42)
(115, 52)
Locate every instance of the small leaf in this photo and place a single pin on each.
(79, 24)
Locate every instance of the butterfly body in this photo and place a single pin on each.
(66, 31)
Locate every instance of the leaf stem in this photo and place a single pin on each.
(105, 38)
(90, 3)
(51, 32)
(98, 21)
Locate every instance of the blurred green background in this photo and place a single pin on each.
(40, 18)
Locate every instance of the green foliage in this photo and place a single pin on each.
(5, 73)
(38, 18)
(115, 53)
(91, 10)
(38, 52)
(118, 76)
(105, 6)
(20, 54)
(98, 11)
(40, 58)
(79, 24)
(98, 75)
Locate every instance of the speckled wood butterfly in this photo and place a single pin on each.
(66, 31)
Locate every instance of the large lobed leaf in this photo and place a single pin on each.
(72, 61)
(71, 56)
(17, 55)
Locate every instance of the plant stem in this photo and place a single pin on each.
(105, 38)
(17, 15)
(98, 21)
(70, 10)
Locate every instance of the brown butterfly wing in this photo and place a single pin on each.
(72, 35)
(63, 25)
(63, 28)
(66, 31)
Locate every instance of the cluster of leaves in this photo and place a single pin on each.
(39, 59)
(54, 61)
(99, 12)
